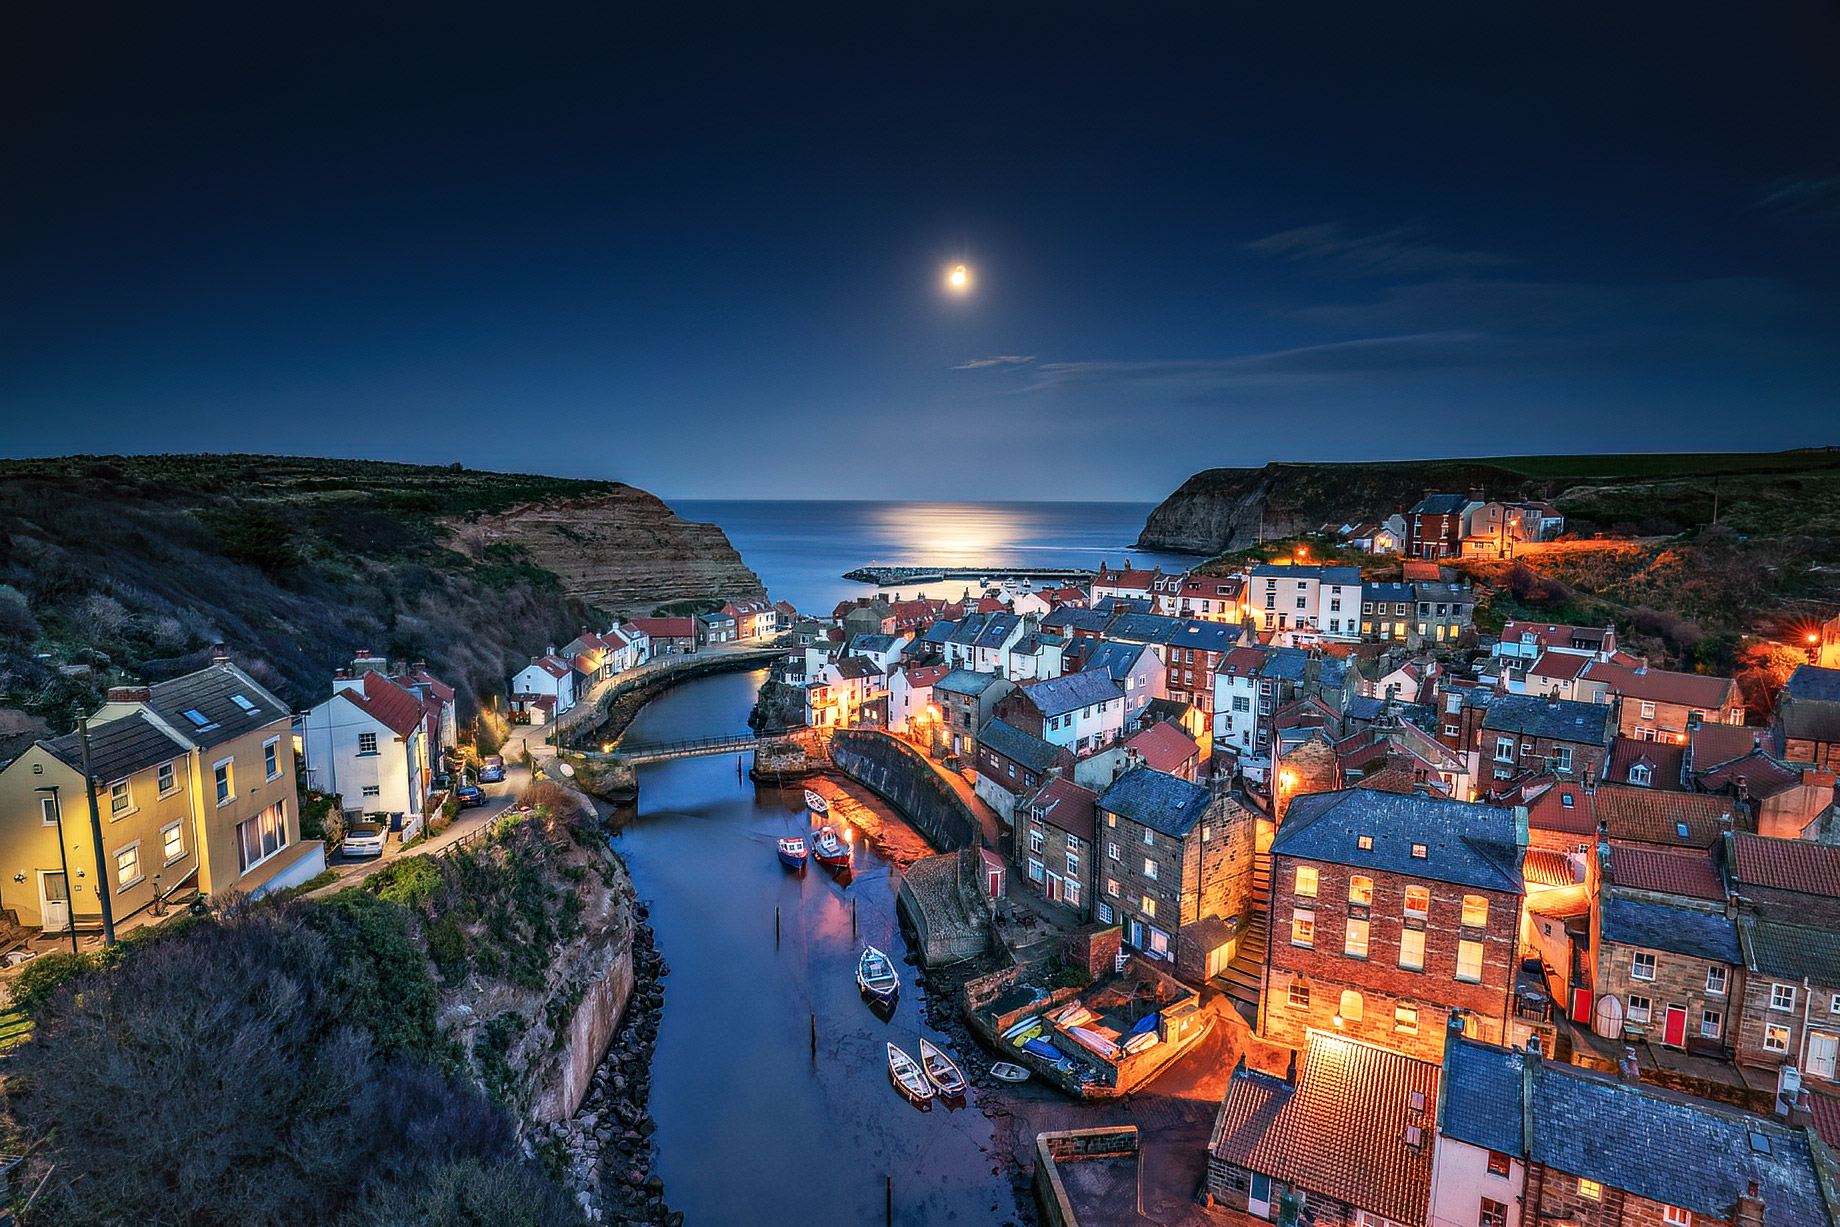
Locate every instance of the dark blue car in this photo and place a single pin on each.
(470, 795)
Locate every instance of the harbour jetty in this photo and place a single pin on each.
(889, 577)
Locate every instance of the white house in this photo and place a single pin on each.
(1035, 655)
(547, 676)
(1242, 701)
(370, 744)
(1313, 602)
(910, 695)
(1082, 711)
(1137, 669)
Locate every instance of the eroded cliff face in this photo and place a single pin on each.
(623, 550)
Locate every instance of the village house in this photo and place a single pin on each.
(1785, 799)
(1211, 598)
(1082, 711)
(628, 647)
(1386, 611)
(1523, 734)
(1011, 763)
(1137, 669)
(753, 619)
(668, 636)
(910, 698)
(1377, 536)
(588, 654)
(1527, 640)
(1307, 600)
(1176, 873)
(1540, 1141)
(1494, 529)
(1239, 705)
(1807, 721)
(837, 694)
(1648, 764)
(371, 743)
(883, 651)
(1444, 608)
(1189, 648)
(1389, 912)
(1789, 930)
(1344, 1137)
(1434, 526)
(545, 677)
(1658, 705)
(1038, 654)
(715, 628)
(966, 702)
(1127, 584)
(1553, 675)
(1055, 834)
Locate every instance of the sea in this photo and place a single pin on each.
(800, 549)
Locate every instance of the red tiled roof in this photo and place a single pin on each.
(1651, 816)
(1341, 1131)
(1427, 571)
(1242, 660)
(1067, 806)
(1713, 743)
(1559, 665)
(1164, 747)
(1662, 686)
(1541, 867)
(1761, 775)
(666, 628)
(1825, 1109)
(1565, 807)
(1675, 873)
(555, 666)
(924, 676)
(1663, 758)
(387, 703)
(1786, 864)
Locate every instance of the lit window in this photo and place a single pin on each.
(1354, 945)
(1111, 887)
(1306, 881)
(1405, 1017)
(1715, 979)
(1361, 890)
(1412, 949)
(1776, 1037)
(1352, 1005)
(172, 841)
(1641, 966)
(1365, 843)
(1303, 928)
(1419, 851)
(1590, 1189)
(1148, 906)
(1674, 1216)
(1418, 902)
(1782, 996)
(1469, 962)
(128, 866)
(120, 801)
(1492, 1213)
(1499, 1163)
(1475, 912)
(1300, 994)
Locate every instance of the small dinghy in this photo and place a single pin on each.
(1003, 1071)
(908, 1076)
(1045, 1050)
(876, 976)
(792, 852)
(941, 1070)
(827, 849)
(816, 803)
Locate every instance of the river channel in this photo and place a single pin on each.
(752, 1127)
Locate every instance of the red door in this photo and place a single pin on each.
(1581, 1006)
(1674, 1030)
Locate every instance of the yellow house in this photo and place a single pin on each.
(195, 785)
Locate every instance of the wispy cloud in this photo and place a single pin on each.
(1818, 199)
(1001, 360)
(1331, 249)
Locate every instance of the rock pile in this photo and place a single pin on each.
(605, 1151)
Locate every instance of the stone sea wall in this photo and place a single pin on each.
(895, 770)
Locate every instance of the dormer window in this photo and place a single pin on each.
(1567, 801)
(1641, 774)
(1680, 829)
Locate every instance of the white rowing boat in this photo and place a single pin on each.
(942, 1070)
(908, 1076)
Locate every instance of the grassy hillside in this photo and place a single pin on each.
(116, 566)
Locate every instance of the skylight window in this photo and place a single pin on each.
(242, 702)
(1366, 842)
(1680, 829)
(1760, 1144)
(1415, 1100)
(197, 717)
(1419, 851)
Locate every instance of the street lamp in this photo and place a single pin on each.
(70, 907)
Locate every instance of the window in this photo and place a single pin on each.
(261, 837)
(1451, 730)
(1351, 1006)
(1241, 703)
(1562, 759)
(1365, 843)
(367, 743)
(1073, 863)
(243, 703)
(1035, 839)
(172, 842)
(1776, 1038)
(1640, 774)
(1300, 994)
(224, 774)
(1111, 850)
(1469, 962)
(1420, 852)
(128, 866)
(120, 801)
(1150, 869)
(1834, 1006)
(1111, 887)
(1711, 1024)
(1492, 1213)
(1648, 711)
(1149, 838)
(1715, 979)
(1147, 905)
(1418, 902)
(1412, 949)
(1303, 928)
(1306, 881)
(1674, 1216)
(48, 809)
(1361, 890)
(1782, 996)
(1504, 749)
(1405, 1018)
(1036, 869)
(1105, 913)
(1354, 945)
(1499, 1164)
(1590, 1189)
(1475, 912)
(1640, 1008)
(372, 790)
(168, 779)
(1641, 966)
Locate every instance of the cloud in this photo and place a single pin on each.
(1815, 199)
(1330, 249)
(1000, 360)
(1365, 355)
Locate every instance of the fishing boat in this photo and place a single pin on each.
(827, 849)
(876, 976)
(1003, 1071)
(941, 1070)
(908, 1076)
(792, 852)
(816, 803)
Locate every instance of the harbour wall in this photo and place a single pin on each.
(894, 770)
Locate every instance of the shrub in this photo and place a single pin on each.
(46, 974)
(411, 882)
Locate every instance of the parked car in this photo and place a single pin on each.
(365, 839)
(492, 769)
(470, 795)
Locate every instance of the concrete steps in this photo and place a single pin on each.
(1244, 978)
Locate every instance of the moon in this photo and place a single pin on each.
(958, 279)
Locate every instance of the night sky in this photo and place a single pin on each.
(702, 249)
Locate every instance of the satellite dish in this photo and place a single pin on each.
(567, 768)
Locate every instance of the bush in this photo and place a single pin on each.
(46, 974)
(410, 882)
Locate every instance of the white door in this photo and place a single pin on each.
(54, 900)
(1821, 1055)
(1218, 958)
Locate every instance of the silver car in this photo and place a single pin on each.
(365, 839)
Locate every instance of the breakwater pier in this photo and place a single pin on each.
(889, 577)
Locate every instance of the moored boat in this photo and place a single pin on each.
(908, 1075)
(876, 976)
(827, 849)
(816, 803)
(942, 1070)
(792, 852)
(1004, 1071)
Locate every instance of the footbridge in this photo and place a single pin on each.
(702, 747)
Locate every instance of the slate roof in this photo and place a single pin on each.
(1482, 1095)
(1654, 816)
(939, 632)
(1390, 593)
(1439, 505)
(1712, 936)
(1791, 951)
(851, 667)
(1341, 1131)
(1814, 682)
(1559, 719)
(118, 748)
(1664, 870)
(1068, 806)
(1809, 719)
(1466, 844)
(1056, 696)
(1018, 746)
(1786, 864)
(966, 682)
(213, 693)
(1328, 575)
(1115, 660)
(1761, 775)
(966, 630)
(1073, 618)
(1164, 803)
(1669, 1148)
(997, 628)
(875, 643)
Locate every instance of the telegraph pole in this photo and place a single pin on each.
(103, 881)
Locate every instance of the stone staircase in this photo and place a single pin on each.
(1245, 975)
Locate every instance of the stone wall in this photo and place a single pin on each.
(896, 771)
(1072, 1146)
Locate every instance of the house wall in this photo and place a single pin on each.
(1679, 980)
(1669, 722)
(1123, 857)
(1756, 1016)
(1382, 983)
(1041, 855)
(1460, 1180)
(1555, 1196)
(1229, 1185)
(1531, 753)
(398, 769)
(255, 792)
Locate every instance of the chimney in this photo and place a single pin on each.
(130, 694)
(1290, 1071)
(1749, 1210)
(220, 655)
(1628, 1068)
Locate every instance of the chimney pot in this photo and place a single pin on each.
(220, 654)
